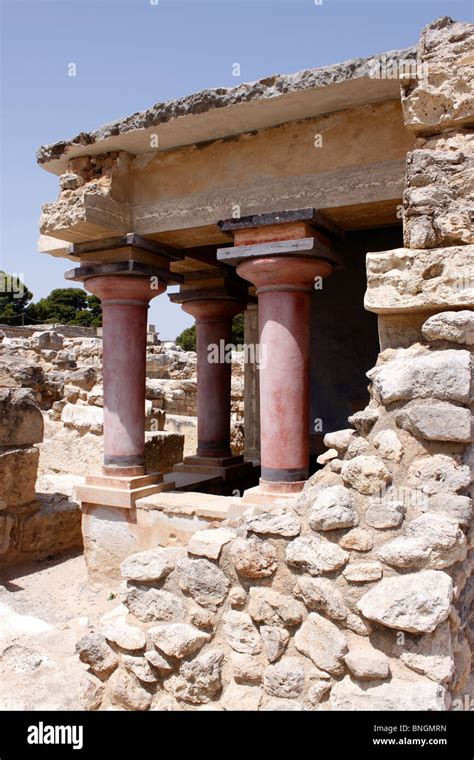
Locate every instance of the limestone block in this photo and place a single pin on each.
(205, 582)
(321, 595)
(383, 513)
(253, 558)
(140, 667)
(359, 540)
(453, 326)
(417, 602)
(199, 680)
(388, 445)
(178, 639)
(246, 668)
(410, 280)
(54, 527)
(84, 418)
(153, 564)
(431, 654)
(7, 523)
(456, 507)
(323, 642)
(437, 422)
(272, 608)
(240, 697)
(95, 652)
(315, 555)
(163, 450)
(209, 543)
(109, 536)
(367, 663)
(367, 474)
(443, 375)
(84, 378)
(285, 679)
(128, 637)
(151, 604)
(333, 508)
(438, 474)
(240, 632)
(276, 521)
(442, 98)
(431, 540)
(339, 440)
(394, 695)
(275, 640)
(363, 572)
(21, 421)
(125, 690)
(437, 197)
(18, 470)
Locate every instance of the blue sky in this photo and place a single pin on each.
(130, 54)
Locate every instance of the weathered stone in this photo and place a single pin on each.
(201, 618)
(277, 521)
(126, 636)
(125, 690)
(367, 663)
(357, 447)
(416, 603)
(47, 339)
(285, 678)
(275, 640)
(276, 704)
(199, 680)
(443, 375)
(437, 474)
(432, 541)
(453, 326)
(323, 642)
(209, 543)
(239, 697)
(315, 555)
(92, 693)
(21, 421)
(237, 597)
(17, 491)
(431, 655)
(321, 595)
(253, 558)
(414, 280)
(388, 445)
(84, 418)
(150, 604)
(456, 507)
(7, 524)
(178, 639)
(363, 572)
(84, 377)
(437, 422)
(328, 456)
(332, 509)
(364, 420)
(357, 625)
(358, 539)
(152, 565)
(318, 691)
(383, 513)
(339, 440)
(441, 99)
(94, 651)
(140, 667)
(240, 632)
(205, 582)
(246, 668)
(367, 474)
(272, 608)
(394, 695)
(159, 661)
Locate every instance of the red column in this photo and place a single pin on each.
(213, 329)
(125, 303)
(284, 286)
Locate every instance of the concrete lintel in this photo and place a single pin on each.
(309, 216)
(224, 112)
(135, 268)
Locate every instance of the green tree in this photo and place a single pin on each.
(69, 306)
(14, 298)
(187, 338)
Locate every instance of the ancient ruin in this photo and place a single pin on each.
(278, 535)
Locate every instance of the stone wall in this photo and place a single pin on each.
(33, 523)
(356, 596)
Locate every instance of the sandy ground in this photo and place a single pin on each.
(45, 608)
